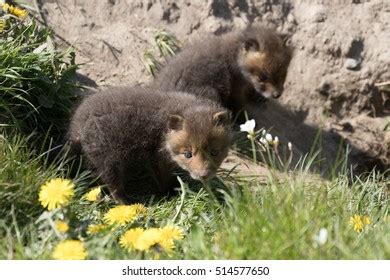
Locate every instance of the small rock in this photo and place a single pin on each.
(212, 25)
(319, 16)
(324, 89)
(351, 63)
(217, 26)
(291, 19)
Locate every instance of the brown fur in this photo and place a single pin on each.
(134, 138)
(270, 59)
(229, 69)
(207, 152)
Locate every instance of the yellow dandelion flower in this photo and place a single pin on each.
(149, 238)
(62, 226)
(70, 250)
(20, 13)
(120, 215)
(93, 194)
(56, 193)
(359, 222)
(158, 239)
(139, 208)
(130, 238)
(168, 235)
(172, 232)
(94, 229)
(167, 244)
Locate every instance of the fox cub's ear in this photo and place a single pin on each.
(222, 118)
(251, 45)
(175, 122)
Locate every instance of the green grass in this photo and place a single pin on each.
(167, 46)
(242, 220)
(37, 87)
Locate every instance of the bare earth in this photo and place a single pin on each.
(341, 53)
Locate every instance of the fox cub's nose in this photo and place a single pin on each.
(271, 93)
(276, 93)
(205, 174)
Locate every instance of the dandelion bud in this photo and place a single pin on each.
(289, 145)
(268, 137)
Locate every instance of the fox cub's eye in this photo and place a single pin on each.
(214, 153)
(187, 154)
(263, 77)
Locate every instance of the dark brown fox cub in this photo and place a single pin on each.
(135, 139)
(232, 69)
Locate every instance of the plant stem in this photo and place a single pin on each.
(254, 154)
(182, 197)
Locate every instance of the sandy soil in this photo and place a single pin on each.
(341, 53)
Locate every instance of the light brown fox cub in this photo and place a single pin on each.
(137, 140)
(232, 69)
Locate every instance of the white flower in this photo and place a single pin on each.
(289, 145)
(268, 137)
(321, 237)
(248, 126)
(263, 141)
(276, 141)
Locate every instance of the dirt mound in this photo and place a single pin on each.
(341, 54)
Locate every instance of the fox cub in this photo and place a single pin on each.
(232, 69)
(137, 139)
